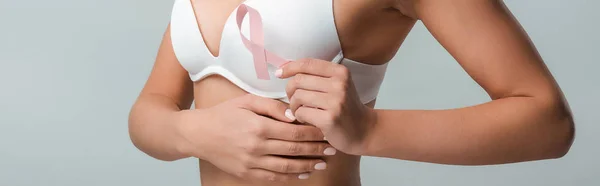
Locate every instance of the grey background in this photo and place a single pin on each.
(71, 69)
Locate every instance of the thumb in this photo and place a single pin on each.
(267, 107)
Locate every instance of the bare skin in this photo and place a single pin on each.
(527, 119)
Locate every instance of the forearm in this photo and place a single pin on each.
(507, 130)
(152, 127)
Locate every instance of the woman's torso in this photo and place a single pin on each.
(369, 31)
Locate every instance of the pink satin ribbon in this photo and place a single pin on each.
(255, 44)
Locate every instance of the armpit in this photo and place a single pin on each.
(406, 7)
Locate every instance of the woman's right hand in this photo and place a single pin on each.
(250, 137)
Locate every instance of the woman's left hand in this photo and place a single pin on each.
(322, 94)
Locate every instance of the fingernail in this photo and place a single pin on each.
(278, 72)
(329, 151)
(288, 114)
(321, 166)
(303, 176)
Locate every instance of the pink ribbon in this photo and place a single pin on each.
(256, 43)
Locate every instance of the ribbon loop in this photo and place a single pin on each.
(255, 44)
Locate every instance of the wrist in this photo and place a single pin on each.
(371, 123)
(183, 146)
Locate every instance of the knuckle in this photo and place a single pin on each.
(259, 129)
(247, 162)
(297, 134)
(253, 147)
(339, 85)
(294, 97)
(316, 149)
(241, 101)
(341, 71)
(301, 93)
(307, 64)
(254, 101)
(254, 121)
(284, 166)
(294, 148)
(330, 118)
(298, 78)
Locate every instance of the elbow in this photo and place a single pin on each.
(134, 130)
(145, 148)
(564, 138)
(562, 134)
(163, 158)
(142, 141)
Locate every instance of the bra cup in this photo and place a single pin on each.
(186, 40)
(290, 37)
(239, 61)
(296, 30)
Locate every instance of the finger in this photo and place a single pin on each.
(310, 99)
(288, 148)
(287, 165)
(266, 175)
(308, 82)
(266, 107)
(292, 132)
(311, 66)
(322, 119)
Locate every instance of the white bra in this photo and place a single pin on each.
(280, 31)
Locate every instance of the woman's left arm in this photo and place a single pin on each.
(527, 119)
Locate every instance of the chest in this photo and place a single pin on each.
(366, 30)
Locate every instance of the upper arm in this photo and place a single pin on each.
(168, 78)
(489, 43)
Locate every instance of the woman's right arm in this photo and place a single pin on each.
(167, 92)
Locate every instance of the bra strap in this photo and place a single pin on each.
(255, 44)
